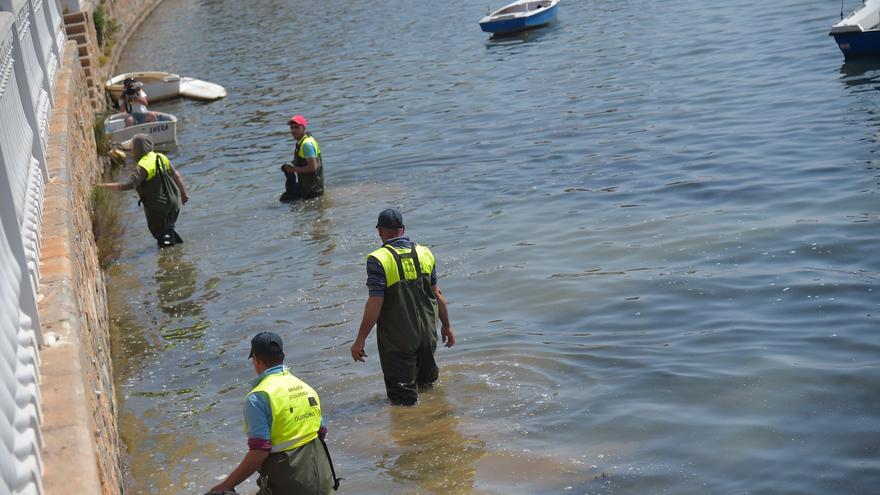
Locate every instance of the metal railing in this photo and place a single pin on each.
(31, 39)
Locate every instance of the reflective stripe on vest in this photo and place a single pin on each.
(148, 163)
(392, 274)
(296, 410)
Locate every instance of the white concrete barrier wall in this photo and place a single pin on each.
(29, 61)
(43, 44)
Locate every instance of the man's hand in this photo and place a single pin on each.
(184, 197)
(288, 168)
(357, 350)
(221, 488)
(448, 336)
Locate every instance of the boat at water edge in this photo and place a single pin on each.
(858, 34)
(164, 85)
(520, 15)
(163, 131)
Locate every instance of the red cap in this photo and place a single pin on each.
(299, 119)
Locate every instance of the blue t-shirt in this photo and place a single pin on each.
(309, 150)
(257, 411)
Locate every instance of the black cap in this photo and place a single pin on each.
(390, 219)
(265, 343)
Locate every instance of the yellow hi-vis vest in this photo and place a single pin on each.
(307, 139)
(392, 273)
(310, 185)
(158, 190)
(408, 318)
(148, 163)
(296, 410)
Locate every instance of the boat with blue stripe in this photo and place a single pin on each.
(858, 34)
(520, 15)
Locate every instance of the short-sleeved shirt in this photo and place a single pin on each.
(258, 414)
(376, 273)
(308, 149)
(137, 106)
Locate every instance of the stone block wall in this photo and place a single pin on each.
(81, 451)
(80, 26)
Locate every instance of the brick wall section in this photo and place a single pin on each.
(81, 452)
(80, 27)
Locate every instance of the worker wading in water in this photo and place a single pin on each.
(405, 303)
(285, 430)
(160, 188)
(304, 179)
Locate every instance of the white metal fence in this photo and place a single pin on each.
(31, 42)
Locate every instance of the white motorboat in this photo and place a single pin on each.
(162, 131)
(164, 85)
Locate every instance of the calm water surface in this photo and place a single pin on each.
(656, 224)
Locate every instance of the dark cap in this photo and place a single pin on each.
(390, 219)
(265, 343)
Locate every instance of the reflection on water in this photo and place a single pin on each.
(313, 213)
(858, 67)
(520, 37)
(176, 284)
(432, 455)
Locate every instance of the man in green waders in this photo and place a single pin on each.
(285, 430)
(304, 179)
(160, 188)
(404, 303)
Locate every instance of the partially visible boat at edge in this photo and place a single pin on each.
(164, 85)
(163, 131)
(520, 15)
(858, 34)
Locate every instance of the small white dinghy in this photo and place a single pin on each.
(197, 89)
(164, 85)
(163, 131)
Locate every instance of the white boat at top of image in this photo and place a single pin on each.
(164, 85)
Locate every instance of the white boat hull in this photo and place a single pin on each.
(163, 131)
(197, 89)
(157, 85)
(164, 85)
